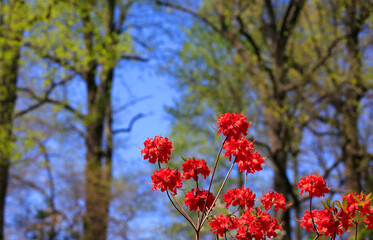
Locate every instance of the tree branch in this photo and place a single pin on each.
(56, 59)
(46, 99)
(134, 57)
(131, 103)
(130, 125)
(41, 100)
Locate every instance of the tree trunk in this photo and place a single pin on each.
(9, 62)
(98, 165)
(279, 158)
(351, 149)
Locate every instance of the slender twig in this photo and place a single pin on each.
(182, 211)
(187, 216)
(246, 178)
(212, 177)
(313, 222)
(221, 189)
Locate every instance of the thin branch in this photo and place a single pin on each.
(130, 125)
(252, 42)
(219, 192)
(212, 178)
(131, 103)
(56, 59)
(134, 57)
(41, 100)
(67, 107)
(191, 12)
(51, 198)
(28, 183)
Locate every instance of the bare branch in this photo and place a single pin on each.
(191, 12)
(28, 183)
(134, 57)
(41, 100)
(46, 99)
(131, 103)
(130, 125)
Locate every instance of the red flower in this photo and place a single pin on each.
(326, 224)
(243, 233)
(314, 185)
(306, 221)
(166, 178)
(242, 149)
(369, 219)
(194, 166)
(243, 197)
(252, 163)
(221, 224)
(234, 124)
(353, 205)
(258, 224)
(195, 200)
(273, 199)
(157, 149)
(329, 222)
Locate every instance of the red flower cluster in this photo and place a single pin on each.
(220, 224)
(257, 224)
(253, 163)
(274, 199)
(166, 178)
(353, 205)
(246, 159)
(233, 124)
(332, 221)
(157, 149)
(192, 167)
(314, 185)
(240, 148)
(252, 224)
(195, 200)
(362, 204)
(243, 197)
(329, 222)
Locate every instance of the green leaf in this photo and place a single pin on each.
(344, 204)
(356, 198)
(338, 204)
(325, 205)
(368, 196)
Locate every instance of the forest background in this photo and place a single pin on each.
(84, 83)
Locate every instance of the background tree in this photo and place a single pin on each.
(15, 18)
(84, 42)
(271, 46)
(94, 40)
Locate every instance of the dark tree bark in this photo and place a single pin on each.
(352, 150)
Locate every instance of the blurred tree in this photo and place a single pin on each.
(269, 58)
(88, 39)
(15, 18)
(261, 37)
